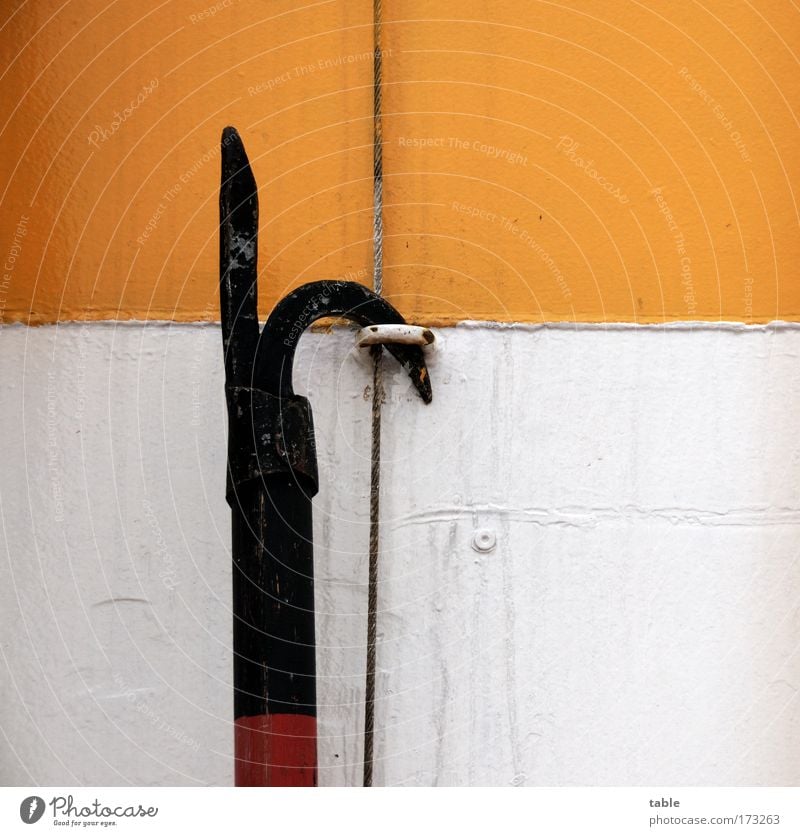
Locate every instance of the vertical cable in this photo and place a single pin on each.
(377, 399)
(377, 149)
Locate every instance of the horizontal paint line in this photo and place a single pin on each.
(435, 320)
(682, 325)
(594, 516)
(475, 324)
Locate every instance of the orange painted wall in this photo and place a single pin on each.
(590, 161)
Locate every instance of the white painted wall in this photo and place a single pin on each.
(636, 623)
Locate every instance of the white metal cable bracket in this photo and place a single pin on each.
(402, 334)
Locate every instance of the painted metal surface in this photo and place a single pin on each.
(636, 623)
(576, 161)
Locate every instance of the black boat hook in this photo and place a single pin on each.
(272, 477)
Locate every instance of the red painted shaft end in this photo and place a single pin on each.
(276, 750)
